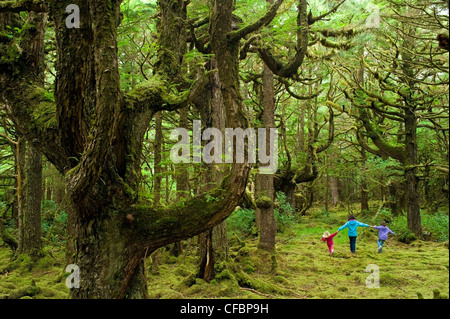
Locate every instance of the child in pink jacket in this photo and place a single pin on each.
(329, 239)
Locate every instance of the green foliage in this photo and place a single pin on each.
(242, 222)
(437, 224)
(54, 222)
(284, 213)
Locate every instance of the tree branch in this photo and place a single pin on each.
(366, 147)
(261, 22)
(330, 139)
(312, 20)
(291, 67)
(33, 113)
(156, 228)
(396, 152)
(155, 95)
(23, 5)
(296, 96)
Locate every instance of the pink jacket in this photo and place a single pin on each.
(329, 240)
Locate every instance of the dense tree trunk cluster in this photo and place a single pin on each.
(94, 134)
(93, 131)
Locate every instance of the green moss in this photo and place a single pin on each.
(249, 269)
(12, 54)
(263, 202)
(304, 269)
(225, 274)
(247, 281)
(280, 279)
(41, 106)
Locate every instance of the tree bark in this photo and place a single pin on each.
(214, 242)
(158, 160)
(265, 182)
(335, 192)
(20, 191)
(412, 181)
(364, 192)
(32, 218)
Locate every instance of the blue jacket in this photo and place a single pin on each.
(352, 226)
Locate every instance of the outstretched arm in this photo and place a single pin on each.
(332, 235)
(363, 225)
(343, 226)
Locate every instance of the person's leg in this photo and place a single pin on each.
(331, 248)
(381, 245)
(352, 244)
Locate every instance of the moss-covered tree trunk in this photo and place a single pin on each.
(411, 145)
(93, 133)
(265, 182)
(158, 160)
(32, 216)
(213, 243)
(412, 180)
(20, 199)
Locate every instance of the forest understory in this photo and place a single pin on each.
(301, 268)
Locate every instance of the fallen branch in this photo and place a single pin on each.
(257, 292)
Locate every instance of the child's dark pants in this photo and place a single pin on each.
(352, 243)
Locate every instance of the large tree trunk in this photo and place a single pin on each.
(158, 160)
(214, 242)
(412, 181)
(32, 217)
(411, 145)
(101, 162)
(364, 191)
(265, 182)
(335, 191)
(20, 190)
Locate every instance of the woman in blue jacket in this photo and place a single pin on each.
(352, 225)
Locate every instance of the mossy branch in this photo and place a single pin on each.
(23, 5)
(33, 111)
(289, 69)
(312, 19)
(154, 228)
(396, 152)
(155, 94)
(287, 86)
(261, 22)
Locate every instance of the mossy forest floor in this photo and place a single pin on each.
(300, 268)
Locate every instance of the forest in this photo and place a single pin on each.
(224, 149)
